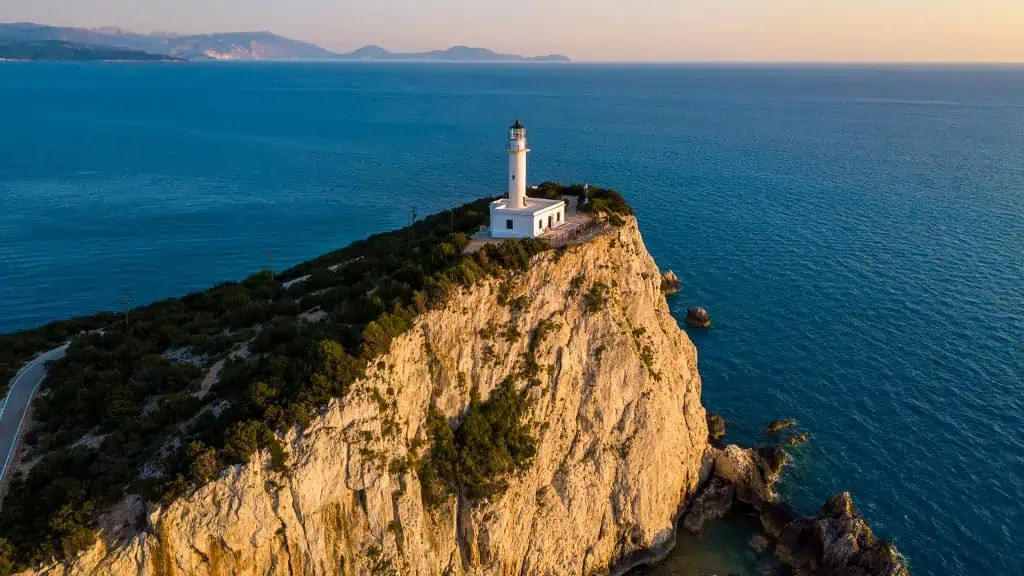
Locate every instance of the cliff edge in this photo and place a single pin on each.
(614, 408)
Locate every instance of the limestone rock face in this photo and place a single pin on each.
(621, 438)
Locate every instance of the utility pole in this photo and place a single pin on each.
(412, 224)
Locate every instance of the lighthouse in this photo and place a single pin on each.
(517, 151)
(517, 215)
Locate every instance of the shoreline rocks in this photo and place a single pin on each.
(716, 426)
(836, 542)
(669, 283)
(698, 317)
(711, 504)
(839, 542)
(776, 426)
(798, 438)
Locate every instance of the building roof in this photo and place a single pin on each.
(533, 206)
(518, 125)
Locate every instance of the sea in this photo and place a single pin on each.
(855, 232)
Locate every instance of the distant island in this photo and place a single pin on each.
(65, 43)
(453, 54)
(61, 50)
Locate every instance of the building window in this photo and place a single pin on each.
(508, 224)
(540, 224)
(559, 216)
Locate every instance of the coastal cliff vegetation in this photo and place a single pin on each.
(157, 401)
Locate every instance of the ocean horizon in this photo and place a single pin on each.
(856, 232)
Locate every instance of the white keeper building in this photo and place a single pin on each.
(517, 215)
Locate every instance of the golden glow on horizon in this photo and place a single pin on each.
(606, 30)
(813, 30)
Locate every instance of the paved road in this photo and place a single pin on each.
(15, 405)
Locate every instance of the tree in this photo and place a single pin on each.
(335, 369)
(244, 439)
(262, 395)
(71, 529)
(203, 460)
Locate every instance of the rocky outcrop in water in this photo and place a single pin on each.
(698, 317)
(716, 426)
(621, 443)
(798, 438)
(838, 542)
(776, 426)
(669, 282)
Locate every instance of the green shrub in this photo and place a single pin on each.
(72, 529)
(493, 441)
(278, 456)
(438, 472)
(335, 370)
(596, 298)
(518, 305)
(6, 558)
(244, 439)
(575, 285)
(489, 331)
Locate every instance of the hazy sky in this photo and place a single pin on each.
(745, 30)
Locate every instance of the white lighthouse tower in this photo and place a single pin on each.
(518, 215)
(517, 151)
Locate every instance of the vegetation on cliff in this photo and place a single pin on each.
(134, 407)
(592, 200)
(476, 457)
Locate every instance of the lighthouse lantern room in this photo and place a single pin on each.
(517, 215)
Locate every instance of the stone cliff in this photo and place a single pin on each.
(620, 433)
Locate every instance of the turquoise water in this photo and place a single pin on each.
(856, 234)
(722, 548)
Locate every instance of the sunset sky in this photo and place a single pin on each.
(605, 30)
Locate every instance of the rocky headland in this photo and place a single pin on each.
(617, 451)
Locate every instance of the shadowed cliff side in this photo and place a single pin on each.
(614, 408)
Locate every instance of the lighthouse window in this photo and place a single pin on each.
(508, 224)
(513, 176)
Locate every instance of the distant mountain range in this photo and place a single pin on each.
(228, 46)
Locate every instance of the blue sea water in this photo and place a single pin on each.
(856, 233)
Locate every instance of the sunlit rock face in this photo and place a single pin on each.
(620, 433)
